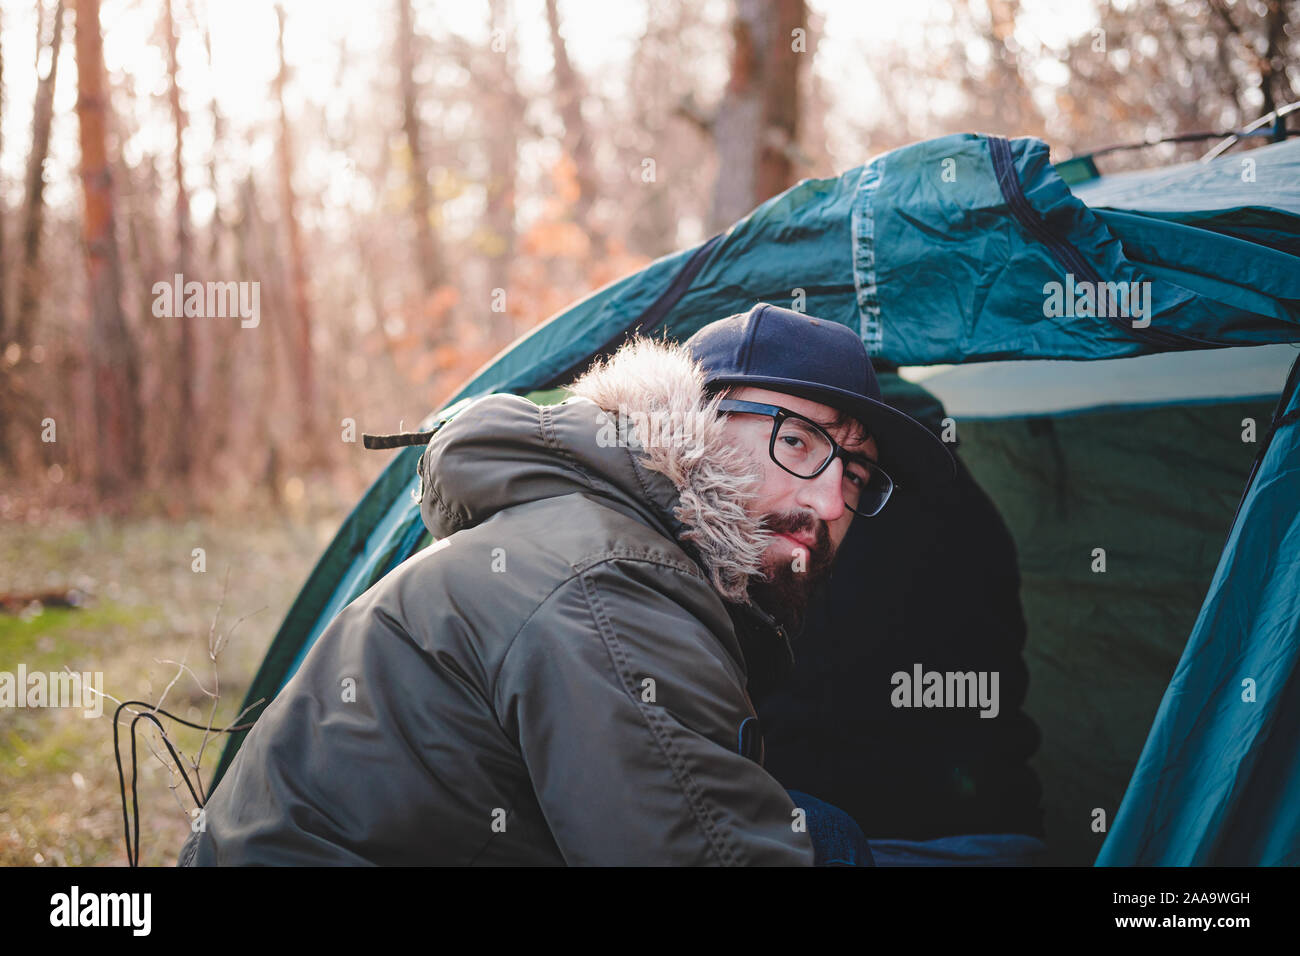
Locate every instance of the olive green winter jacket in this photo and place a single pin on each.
(561, 678)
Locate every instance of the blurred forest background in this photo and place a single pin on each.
(415, 183)
(412, 184)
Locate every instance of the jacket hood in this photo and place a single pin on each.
(638, 430)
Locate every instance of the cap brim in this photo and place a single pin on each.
(912, 454)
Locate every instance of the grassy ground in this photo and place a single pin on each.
(59, 795)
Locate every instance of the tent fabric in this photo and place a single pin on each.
(1153, 475)
(958, 237)
(938, 252)
(1251, 195)
(1042, 386)
(1154, 488)
(1218, 781)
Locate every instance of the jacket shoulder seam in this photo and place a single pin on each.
(640, 556)
(607, 556)
(510, 644)
(546, 431)
(716, 839)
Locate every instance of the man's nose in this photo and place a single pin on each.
(825, 493)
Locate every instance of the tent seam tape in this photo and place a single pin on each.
(863, 233)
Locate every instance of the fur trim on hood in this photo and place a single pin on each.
(658, 382)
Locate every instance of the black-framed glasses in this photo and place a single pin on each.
(805, 449)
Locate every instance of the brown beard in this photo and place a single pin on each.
(784, 592)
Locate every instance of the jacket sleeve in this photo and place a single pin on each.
(627, 710)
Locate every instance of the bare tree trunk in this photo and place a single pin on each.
(219, 226)
(6, 403)
(145, 259)
(34, 201)
(432, 268)
(1274, 81)
(4, 289)
(780, 134)
(216, 410)
(183, 425)
(1015, 103)
(253, 253)
(301, 351)
(577, 135)
(756, 127)
(113, 363)
(145, 262)
(503, 162)
(737, 129)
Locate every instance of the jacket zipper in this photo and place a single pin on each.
(771, 624)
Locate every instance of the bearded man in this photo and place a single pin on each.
(566, 676)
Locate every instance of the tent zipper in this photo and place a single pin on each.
(649, 319)
(1065, 254)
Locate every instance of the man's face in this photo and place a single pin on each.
(808, 514)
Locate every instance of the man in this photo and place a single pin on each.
(565, 675)
(934, 579)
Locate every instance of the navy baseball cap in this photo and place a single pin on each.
(785, 351)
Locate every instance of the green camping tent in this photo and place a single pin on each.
(1118, 480)
(956, 251)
